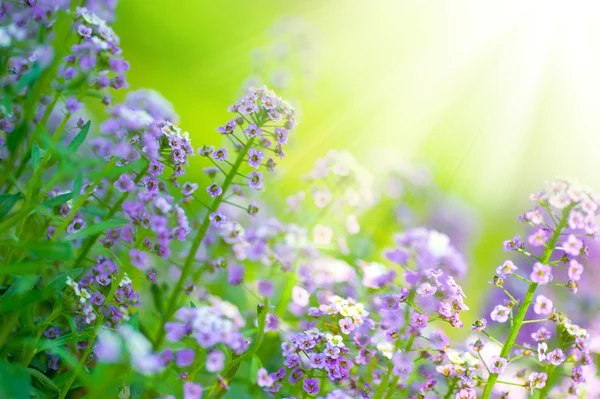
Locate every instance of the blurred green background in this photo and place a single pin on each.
(495, 97)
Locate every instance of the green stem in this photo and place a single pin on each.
(189, 260)
(386, 383)
(524, 307)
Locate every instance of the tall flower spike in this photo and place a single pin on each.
(563, 217)
(263, 123)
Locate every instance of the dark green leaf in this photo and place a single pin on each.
(47, 382)
(7, 202)
(35, 156)
(15, 382)
(58, 200)
(77, 184)
(30, 77)
(59, 250)
(22, 284)
(80, 138)
(98, 228)
(15, 137)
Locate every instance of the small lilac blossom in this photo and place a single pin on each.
(192, 390)
(498, 365)
(214, 190)
(500, 314)
(541, 274)
(215, 361)
(189, 188)
(543, 305)
(218, 219)
(255, 157)
(220, 154)
(572, 245)
(508, 267)
(124, 184)
(255, 180)
(556, 357)
(311, 385)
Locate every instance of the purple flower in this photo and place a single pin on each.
(252, 130)
(151, 183)
(76, 225)
(218, 219)
(185, 357)
(577, 375)
(572, 245)
(235, 274)
(538, 380)
(220, 154)
(542, 305)
(347, 325)
(255, 157)
(214, 190)
(317, 360)
(189, 188)
(215, 361)
(228, 128)
(498, 365)
(192, 390)
(263, 379)
(124, 184)
(419, 320)
(52, 332)
(500, 314)
(265, 288)
(97, 298)
(84, 31)
(513, 245)
(556, 357)
(156, 168)
(255, 180)
(138, 259)
(479, 325)
(311, 385)
(53, 362)
(541, 274)
(72, 105)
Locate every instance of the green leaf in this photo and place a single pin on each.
(38, 364)
(58, 200)
(134, 321)
(77, 184)
(15, 382)
(15, 137)
(35, 156)
(80, 138)
(98, 228)
(254, 367)
(30, 77)
(59, 250)
(60, 282)
(7, 202)
(22, 284)
(47, 382)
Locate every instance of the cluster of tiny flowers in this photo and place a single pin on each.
(217, 322)
(430, 265)
(336, 350)
(96, 296)
(340, 188)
